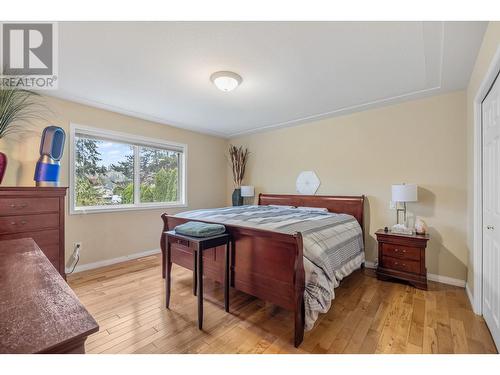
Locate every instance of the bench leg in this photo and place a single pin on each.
(200, 288)
(163, 274)
(226, 278)
(168, 271)
(195, 272)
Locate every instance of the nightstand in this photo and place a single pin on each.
(402, 256)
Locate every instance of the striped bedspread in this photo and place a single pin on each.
(332, 245)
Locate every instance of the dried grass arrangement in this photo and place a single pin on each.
(239, 158)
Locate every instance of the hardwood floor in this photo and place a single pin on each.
(367, 316)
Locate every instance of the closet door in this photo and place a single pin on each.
(491, 210)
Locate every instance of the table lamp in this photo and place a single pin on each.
(403, 193)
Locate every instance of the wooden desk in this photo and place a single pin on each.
(39, 313)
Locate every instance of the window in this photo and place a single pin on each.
(114, 171)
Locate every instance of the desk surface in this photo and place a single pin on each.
(39, 313)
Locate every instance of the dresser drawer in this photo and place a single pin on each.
(400, 251)
(28, 223)
(21, 206)
(401, 264)
(42, 238)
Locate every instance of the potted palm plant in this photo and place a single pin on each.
(18, 107)
(239, 158)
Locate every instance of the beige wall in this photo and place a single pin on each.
(425, 141)
(111, 235)
(421, 141)
(491, 43)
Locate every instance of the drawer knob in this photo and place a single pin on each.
(22, 205)
(22, 222)
(396, 250)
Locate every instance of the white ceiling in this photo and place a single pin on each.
(292, 72)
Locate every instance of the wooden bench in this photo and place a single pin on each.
(197, 245)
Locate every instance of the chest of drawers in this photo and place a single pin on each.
(402, 257)
(38, 213)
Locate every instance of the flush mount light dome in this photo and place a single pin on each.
(226, 81)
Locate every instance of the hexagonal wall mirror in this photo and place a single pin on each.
(307, 183)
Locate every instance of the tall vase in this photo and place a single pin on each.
(3, 165)
(237, 198)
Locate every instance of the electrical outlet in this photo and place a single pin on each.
(392, 205)
(77, 246)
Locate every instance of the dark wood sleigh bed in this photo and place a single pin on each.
(264, 264)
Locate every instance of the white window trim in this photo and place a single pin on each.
(131, 139)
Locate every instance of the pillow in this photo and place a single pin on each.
(321, 209)
(280, 206)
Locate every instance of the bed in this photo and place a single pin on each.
(292, 258)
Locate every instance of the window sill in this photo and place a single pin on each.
(153, 206)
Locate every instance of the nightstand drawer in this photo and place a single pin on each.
(400, 251)
(401, 265)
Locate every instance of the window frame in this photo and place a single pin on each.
(136, 141)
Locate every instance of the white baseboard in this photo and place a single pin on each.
(430, 276)
(471, 300)
(446, 280)
(108, 262)
(369, 264)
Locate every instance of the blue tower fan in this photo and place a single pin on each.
(51, 151)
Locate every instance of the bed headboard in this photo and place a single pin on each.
(337, 204)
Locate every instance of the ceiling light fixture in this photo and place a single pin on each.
(226, 81)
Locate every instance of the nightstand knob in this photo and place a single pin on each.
(396, 250)
(404, 251)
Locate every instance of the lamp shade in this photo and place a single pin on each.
(404, 193)
(247, 191)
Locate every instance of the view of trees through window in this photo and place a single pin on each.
(104, 173)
